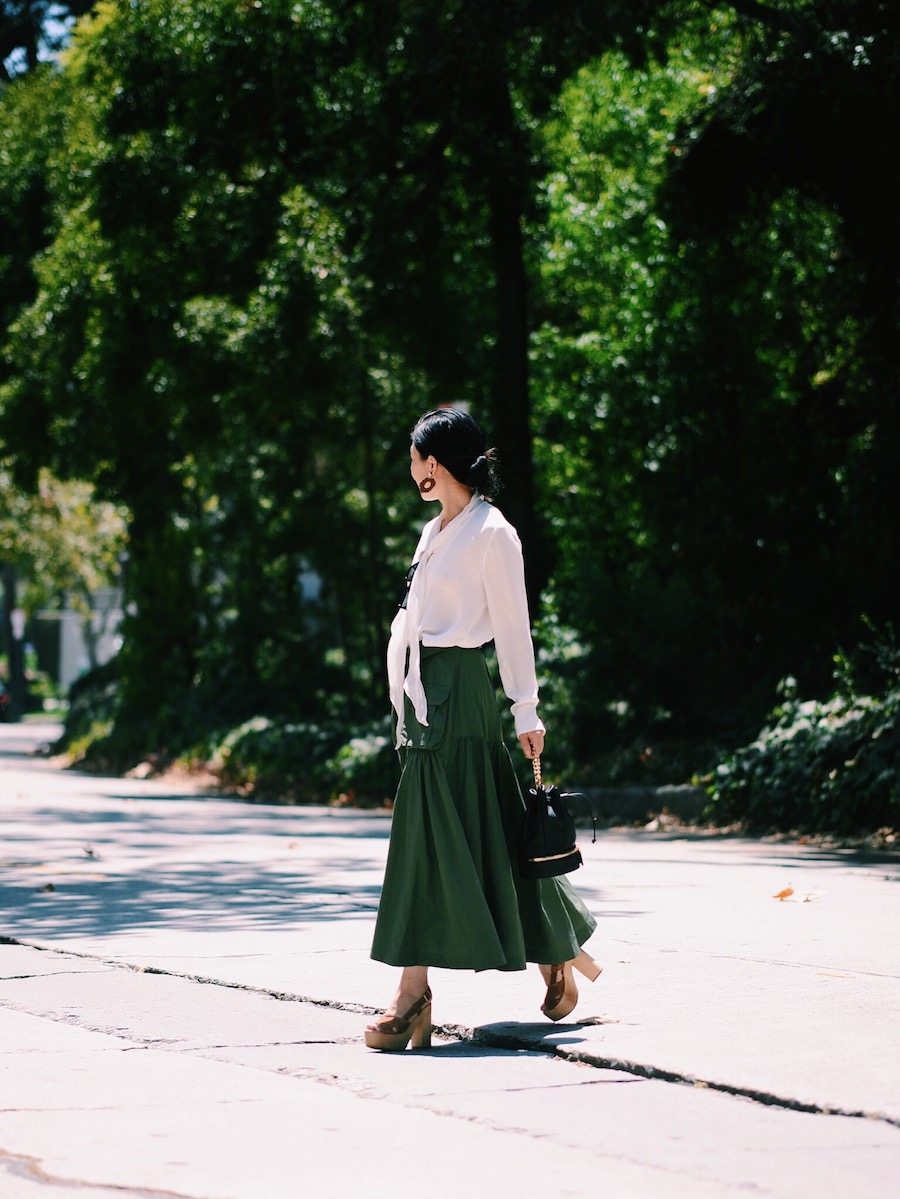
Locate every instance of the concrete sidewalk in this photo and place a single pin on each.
(182, 1000)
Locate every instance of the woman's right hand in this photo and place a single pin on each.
(532, 743)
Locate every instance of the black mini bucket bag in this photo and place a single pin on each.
(547, 843)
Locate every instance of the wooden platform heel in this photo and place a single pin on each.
(393, 1033)
(562, 993)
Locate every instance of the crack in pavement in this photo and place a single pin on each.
(436, 1106)
(69, 1107)
(20, 1165)
(659, 1074)
(497, 1040)
(12, 978)
(266, 1044)
(73, 1021)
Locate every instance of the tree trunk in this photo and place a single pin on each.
(505, 183)
(374, 543)
(159, 630)
(15, 656)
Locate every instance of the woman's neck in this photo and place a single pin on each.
(454, 504)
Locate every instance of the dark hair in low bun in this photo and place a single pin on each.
(456, 441)
(482, 473)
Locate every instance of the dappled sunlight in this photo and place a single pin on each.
(65, 898)
(86, 857)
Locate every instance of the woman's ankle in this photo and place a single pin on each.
(413, 981)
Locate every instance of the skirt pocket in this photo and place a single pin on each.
(430, 736)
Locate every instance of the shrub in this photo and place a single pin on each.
(266, 757)
(306, 761)
(93, 707)
(830, 765)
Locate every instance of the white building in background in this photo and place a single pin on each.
(69, 644)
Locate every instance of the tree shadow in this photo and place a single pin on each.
(242, 820)
(733, 849)
(229, 896)
(201, 866)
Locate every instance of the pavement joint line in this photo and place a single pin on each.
(23, 1166)
(496, 1040)
(658, 1074)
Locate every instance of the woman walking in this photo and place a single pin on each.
(452, 894)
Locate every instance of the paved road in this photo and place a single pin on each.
(184, 981)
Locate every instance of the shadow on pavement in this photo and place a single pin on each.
(733, 849)
(541, 1037)
(227, 896)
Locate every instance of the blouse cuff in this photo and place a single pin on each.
(526, 717)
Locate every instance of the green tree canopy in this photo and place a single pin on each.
(654, 247)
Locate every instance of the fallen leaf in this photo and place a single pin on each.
(785, 894)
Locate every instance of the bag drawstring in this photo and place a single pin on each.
(538, 783)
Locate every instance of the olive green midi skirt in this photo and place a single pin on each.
(452, 893)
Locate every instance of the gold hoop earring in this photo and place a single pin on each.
(427, 485)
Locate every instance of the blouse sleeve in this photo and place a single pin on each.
(504, 586)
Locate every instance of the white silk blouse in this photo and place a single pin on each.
(468, 588)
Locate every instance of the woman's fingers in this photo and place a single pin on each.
(532, 743)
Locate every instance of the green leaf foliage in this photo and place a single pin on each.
(819, 764)
(653, 246)
(711, 449)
